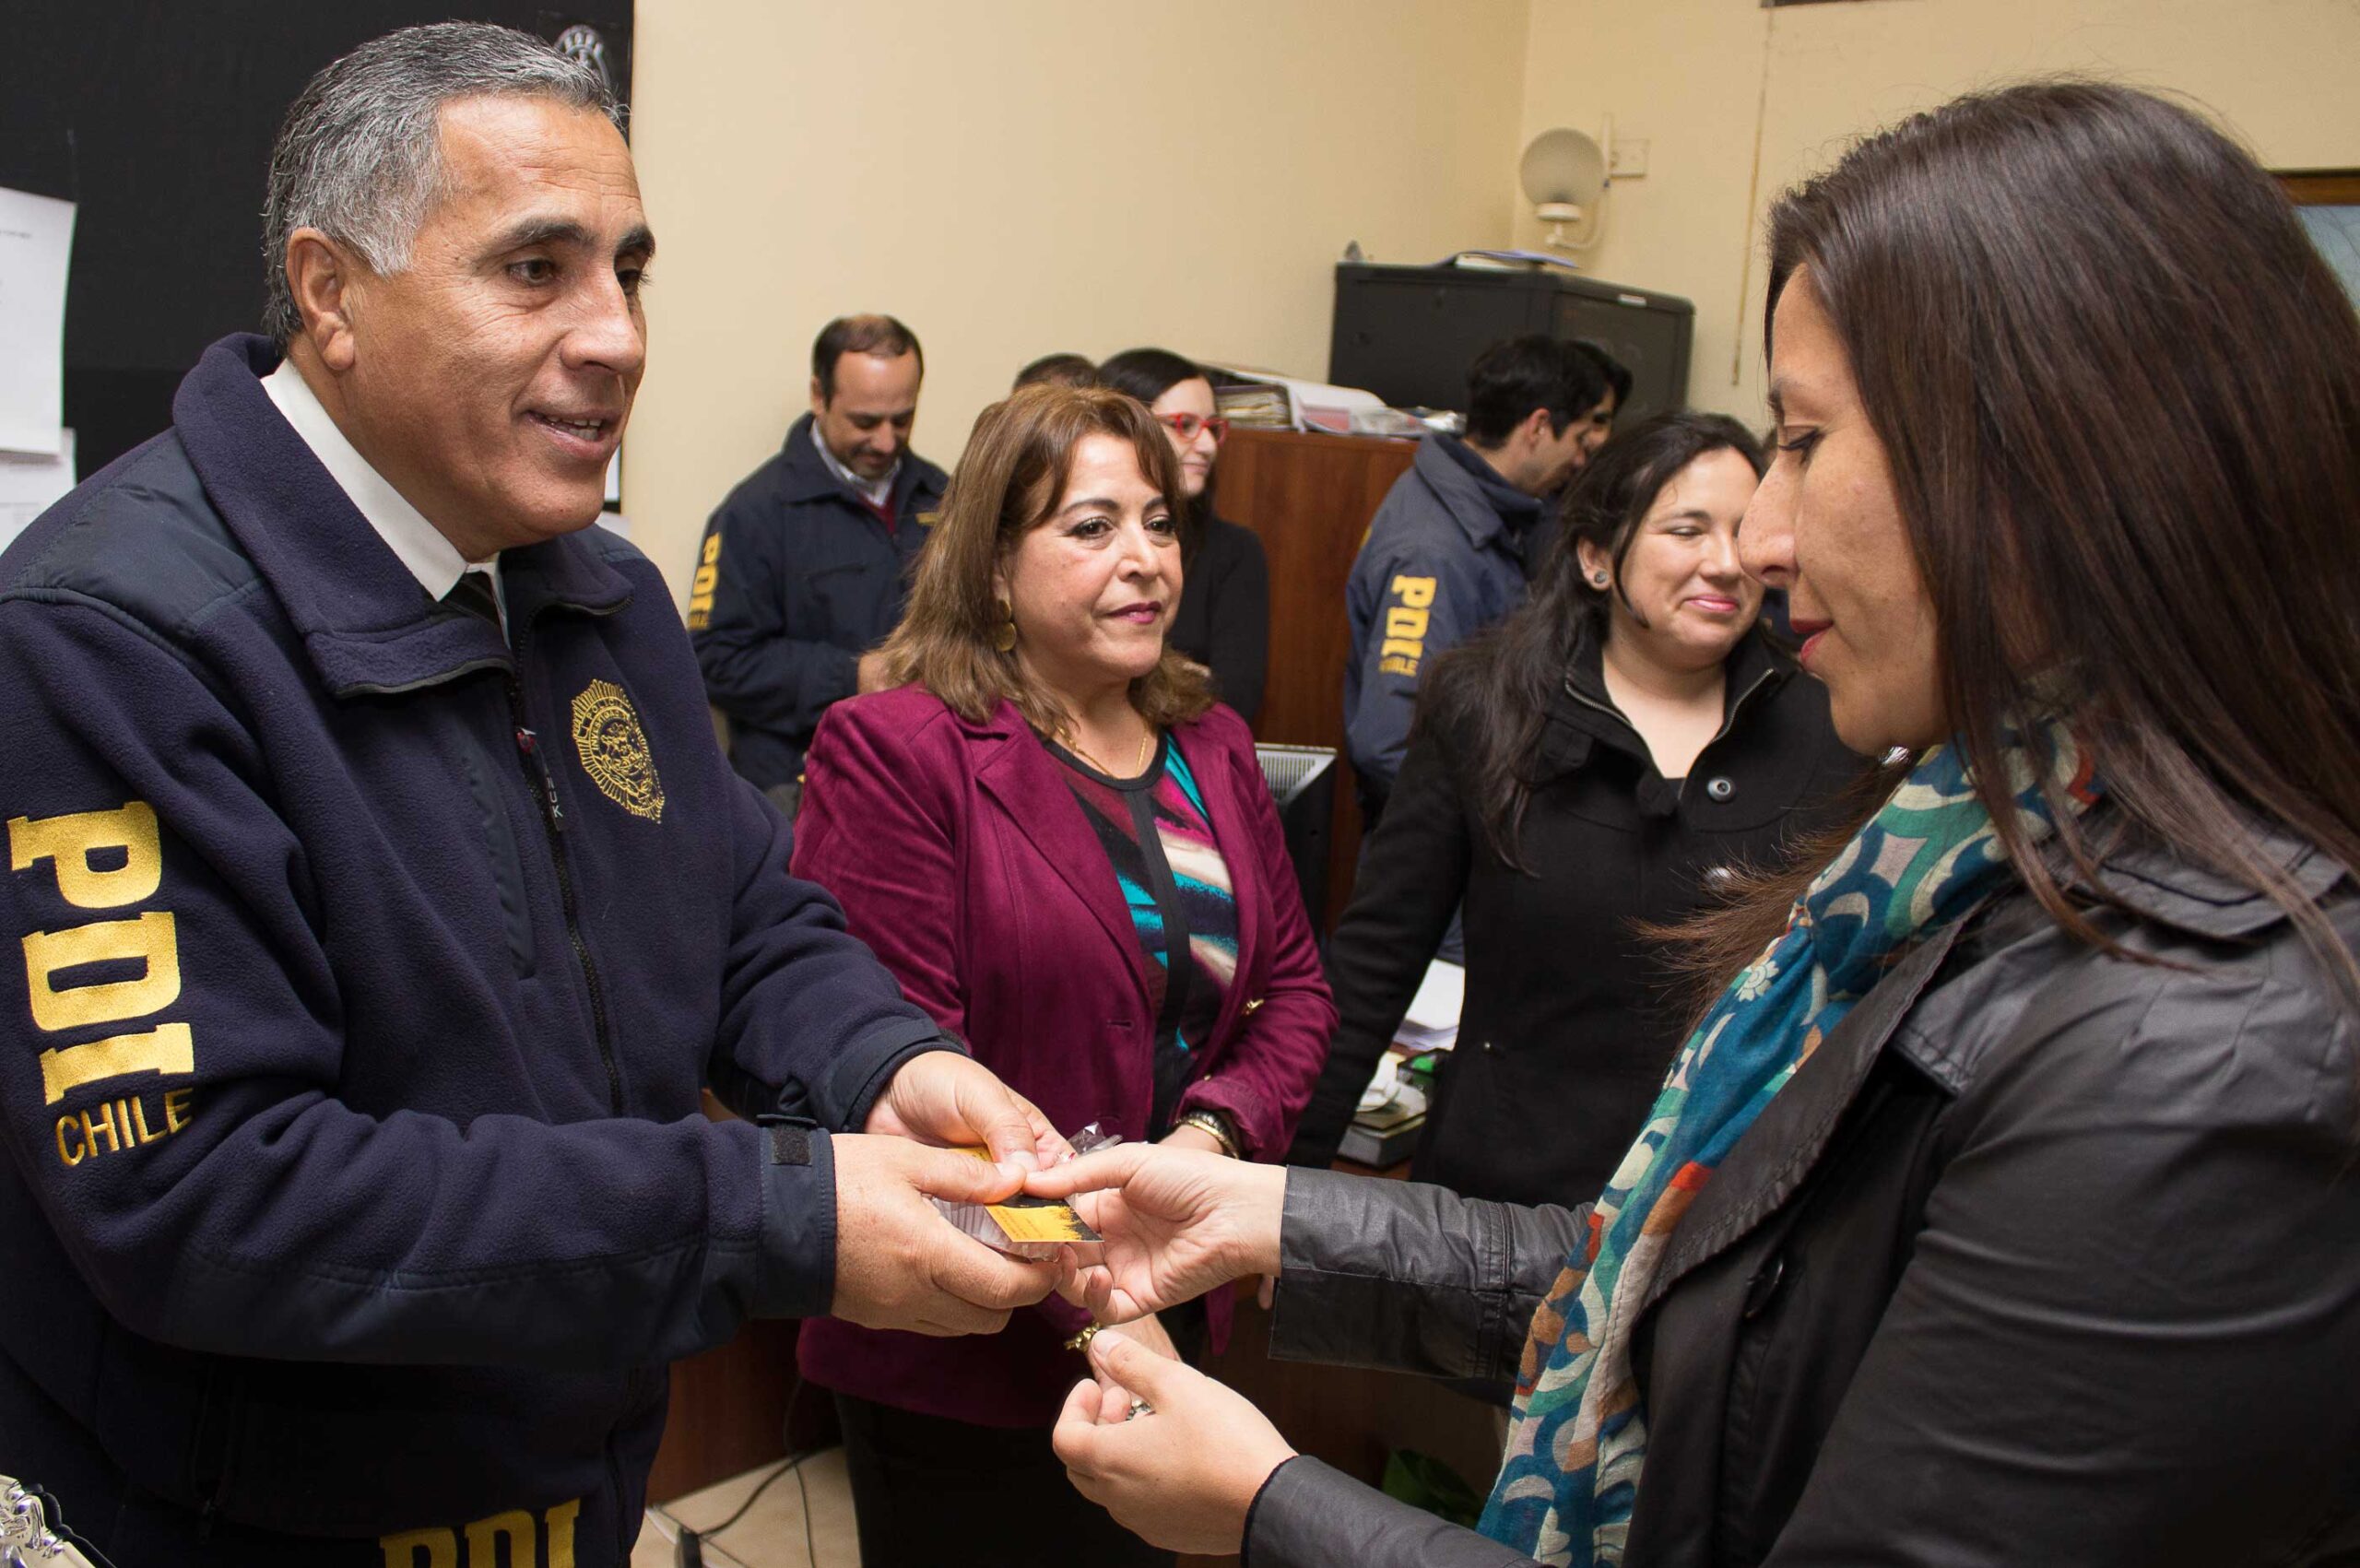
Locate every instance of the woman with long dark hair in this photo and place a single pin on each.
(1612, 755)
(2001, 1206)
(1224, 618)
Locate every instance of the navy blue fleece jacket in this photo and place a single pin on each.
(357, 1185)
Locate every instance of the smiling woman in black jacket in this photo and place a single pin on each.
(1610, 757)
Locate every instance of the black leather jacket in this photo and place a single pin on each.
(2044, 1258)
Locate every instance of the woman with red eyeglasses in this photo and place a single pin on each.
(1224, 621)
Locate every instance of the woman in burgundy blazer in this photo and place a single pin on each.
(948, 816)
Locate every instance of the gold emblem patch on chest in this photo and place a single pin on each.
(614, 749)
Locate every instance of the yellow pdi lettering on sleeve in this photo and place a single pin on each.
(701, 588)
(79, 849)
(1406, 623)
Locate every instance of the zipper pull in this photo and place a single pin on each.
(530, 745)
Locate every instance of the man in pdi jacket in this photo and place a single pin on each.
(385, 902)
(1446, 554)
(805, 567)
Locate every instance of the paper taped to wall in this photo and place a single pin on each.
(36, 238)
(32, 482)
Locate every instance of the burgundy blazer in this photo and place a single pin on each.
(960, 857)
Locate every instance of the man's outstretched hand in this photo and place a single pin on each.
(944, 1098)
(900, 1264)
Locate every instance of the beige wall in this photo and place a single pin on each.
(1016, 176)
(1691, 76)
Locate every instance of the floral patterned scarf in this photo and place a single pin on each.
(1566, 1490)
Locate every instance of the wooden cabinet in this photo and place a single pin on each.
(1309, 498)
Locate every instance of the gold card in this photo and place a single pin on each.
(1038, 1221)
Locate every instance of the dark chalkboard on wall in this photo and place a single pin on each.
(156, 117)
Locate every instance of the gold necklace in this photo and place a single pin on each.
(1138, 765)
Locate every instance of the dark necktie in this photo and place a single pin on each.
(474, 594)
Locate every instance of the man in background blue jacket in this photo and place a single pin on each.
(1449, 549)
(805, 567)
(384, 903)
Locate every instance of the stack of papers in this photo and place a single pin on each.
(1431, 1022)
(1509, 261)
(1309, 405)
(1392, 1112)
(1257, 404)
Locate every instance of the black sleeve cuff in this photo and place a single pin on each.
(1308, 1515)
(1246, 1547)
(797, 1273)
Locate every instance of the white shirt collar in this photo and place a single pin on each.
(434, 559)
(878, 491)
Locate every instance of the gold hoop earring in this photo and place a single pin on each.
(1003, 625)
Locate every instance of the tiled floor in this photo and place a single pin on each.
(771, 1535)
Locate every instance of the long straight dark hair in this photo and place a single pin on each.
(1500, 684)
(2119, 393)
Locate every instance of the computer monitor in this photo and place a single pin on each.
(1302, 783)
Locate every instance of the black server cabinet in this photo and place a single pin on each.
(1408, 333)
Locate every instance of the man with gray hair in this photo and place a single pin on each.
(385, 904)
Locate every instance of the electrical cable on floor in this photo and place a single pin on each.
(687, 1550)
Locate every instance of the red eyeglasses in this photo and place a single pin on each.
(1186, 426)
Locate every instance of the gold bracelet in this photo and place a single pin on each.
(1209, 1122)
(1080, 1342)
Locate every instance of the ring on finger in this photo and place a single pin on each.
(1139, 1407)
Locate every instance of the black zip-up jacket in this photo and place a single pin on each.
(357, 1193)
(795, 579)
(2043, 1257)
(1570, 1017)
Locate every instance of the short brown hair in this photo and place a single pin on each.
(1010, 479)
(879, 335)
(1066, 370)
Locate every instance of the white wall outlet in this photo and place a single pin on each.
(1630, 158)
